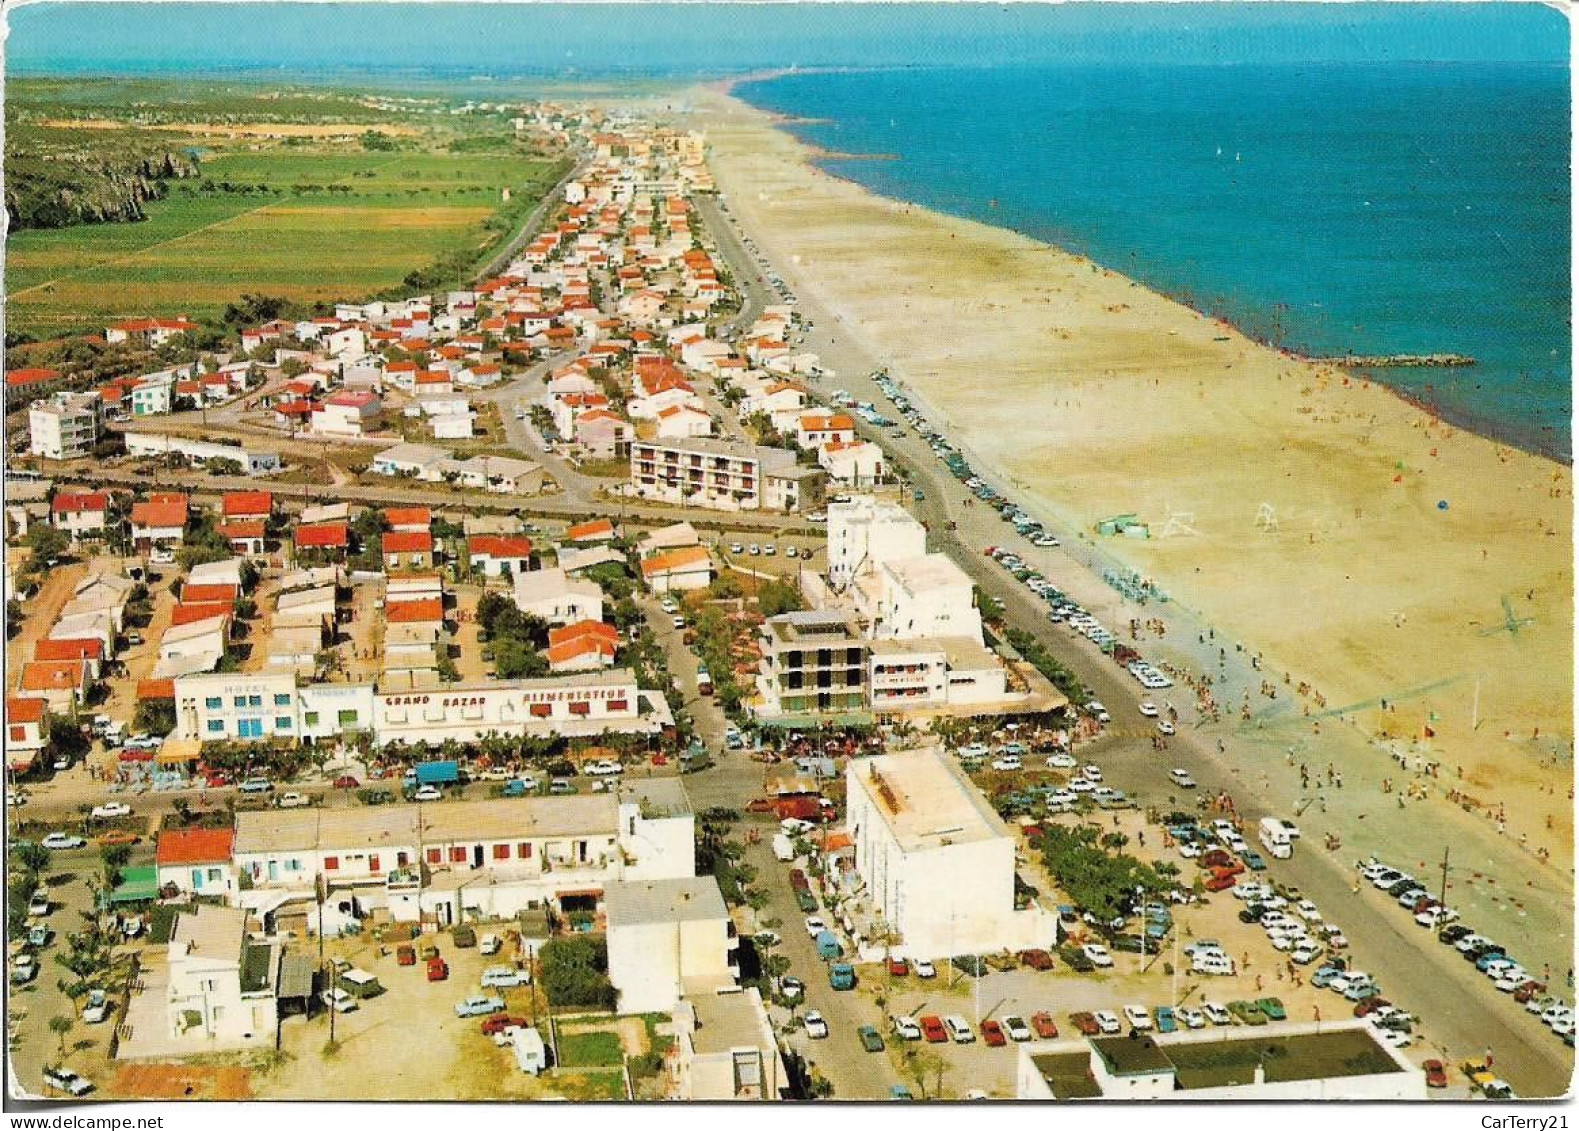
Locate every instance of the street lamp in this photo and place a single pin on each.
(1141, 892)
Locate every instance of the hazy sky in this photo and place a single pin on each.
(515, 39)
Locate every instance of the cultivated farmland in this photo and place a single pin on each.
(305, 225)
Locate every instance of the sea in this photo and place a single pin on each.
(1329, 208)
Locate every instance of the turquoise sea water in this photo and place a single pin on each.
(1370, 208)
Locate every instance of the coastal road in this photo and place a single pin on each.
(1460, 1009)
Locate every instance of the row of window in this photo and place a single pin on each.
(217, 702)
(251, 728)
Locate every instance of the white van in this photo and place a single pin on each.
(959, 1029)
(1211, 962)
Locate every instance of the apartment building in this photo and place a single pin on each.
(812, 662)
(703, 472)
(66, 426)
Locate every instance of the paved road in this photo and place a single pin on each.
(533, 222)
(1461, 1011)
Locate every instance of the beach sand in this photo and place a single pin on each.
(1098, 397)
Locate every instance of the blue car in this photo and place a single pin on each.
(1323, 975)
(1253, 859)
(1165, 1019)
(1487, 959)
(1362, 991)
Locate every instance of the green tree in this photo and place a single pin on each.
(574, 972)
(61, 1026)
(46, 543)
(515, 658)
(777, 597)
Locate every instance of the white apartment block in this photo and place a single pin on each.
(866, 531)
(66, 426)
(703, 472)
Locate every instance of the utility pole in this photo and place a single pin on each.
(1442, 897)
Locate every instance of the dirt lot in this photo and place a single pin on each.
(378, 1060)
(469, 663)
(181, 1082)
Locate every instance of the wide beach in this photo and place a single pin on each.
(1397, 537)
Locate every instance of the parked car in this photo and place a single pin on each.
(97, 1007)
(64, 1080)
(1046, 1028)
(816, 1027)
(1036, 959)
(61, 841)
(1086, 1023)
(871, 1039)
(605, 767)
(932, 1029)
(1216, 1014)
(493, 1026)
(39, 903)
(110, 810)
(24, 968)
(1273, 1008)
(1108, 1022)
(338, 1000)
(293, 801)
(1139, 1017)
(1191, 1017)
(346, 781)
(478, 1004)
(791, 988)
(1435, 1074)
(924, 968)
(906, 1028)
(1017, 1029)
(505, 977)
(1097, 954)
(257, 785)
(959, 1029)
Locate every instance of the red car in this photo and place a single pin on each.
(1036, 959)
(1044, 1025)
(992, 1033)
(1086, 1023)
(1220, 881)
(898, 967)
(1369, 1006)
(1435, 1074)
(438, 970)
(932, 1029)
(346, 781)
(406, 955)
(1528, 991)
(498, 1023)
(216, 781)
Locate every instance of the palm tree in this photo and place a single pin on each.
(61, 1025)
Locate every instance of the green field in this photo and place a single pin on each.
(309, 226)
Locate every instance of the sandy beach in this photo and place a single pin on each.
(1397, 538)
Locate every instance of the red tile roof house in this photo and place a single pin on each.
(585, 645)
(602, 434)
(209, 591)
(197, 861)
(417, 520)
(247, 504)
(89, 650)
(25, 731)
(687, 567)
(499, 555)
(152, 332)
(407, 549)
(246, 537)
(160, 520)
(326, 541)
(60, 683)
(429, 610)
(80, 513)
(587, 533)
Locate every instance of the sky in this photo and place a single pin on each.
(504, 39)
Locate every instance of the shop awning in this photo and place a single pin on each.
(136, 756)
(580, 893)
(138, 885)
(815, 722)
(178, 751)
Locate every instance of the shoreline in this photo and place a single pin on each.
(1525, 437)
(1189, 413)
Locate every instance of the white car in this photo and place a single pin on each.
(1190, 851)
(56, 841)
(98, 1007)
(736, 548)
(1061, 761)
(791, 988)
(959, 1029)
(1098, 712)
(668, 606)
(1097, 954)
(505, 977)
(1306, 953)
(1108, 1022)
(293, 801)
(1007, 762)
(603, 768)
(1091, 773)
(1216, 1014)
(794, 826)
(1307, 911)
(907, 1029)
(111, 809)
(428, 793)
(1182, 778)
(1017, 1029)
(678, 622)
(1139, 1017)
(489, 944)
(815, 925)
(816, 1027)
(1149, 709)
(39, 903)
(924, 968)
(974, 750)
(1190, 1017)
(756, 550)
(1081, 785)
(1165, 726)
(338, 1000)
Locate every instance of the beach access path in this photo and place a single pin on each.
(1463, 1014)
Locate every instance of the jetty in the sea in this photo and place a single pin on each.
(1399, 361)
